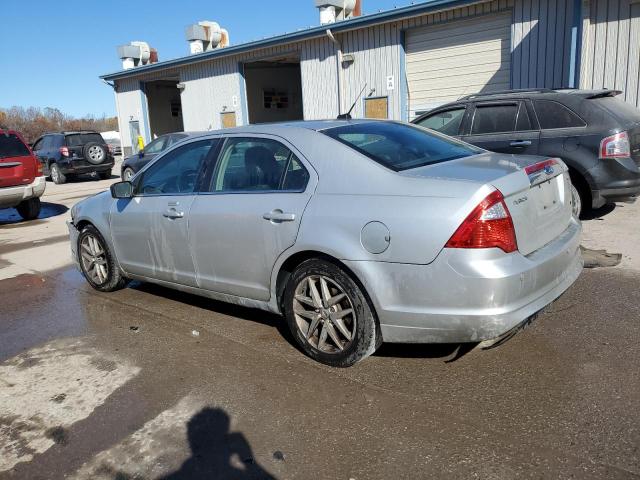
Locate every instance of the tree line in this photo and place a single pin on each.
(32, 122)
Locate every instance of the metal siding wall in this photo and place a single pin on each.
(611, 47)
(319, 79)
(129, 107)
(541, 43)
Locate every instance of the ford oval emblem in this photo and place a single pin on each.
(548, 169)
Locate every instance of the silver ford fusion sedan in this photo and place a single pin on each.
(359, 232)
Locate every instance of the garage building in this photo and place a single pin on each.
(404, 61)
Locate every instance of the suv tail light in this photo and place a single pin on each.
(64, 151)
(39, 168)
(615, 146)
(110, 147)
(489, 225)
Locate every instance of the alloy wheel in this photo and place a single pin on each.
(324, 314)
(95, 153)
(55, 174)
(128, 174)
(94, 259)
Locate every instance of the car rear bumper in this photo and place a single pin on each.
(469, 295)
(12, 196)
(615, 180)
(82, 166)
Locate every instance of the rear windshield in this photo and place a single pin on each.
(400, 147)
(12, 146)
(79, 139)
(619, 109)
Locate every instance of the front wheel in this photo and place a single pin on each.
(329, 315)
(29, 209)
(97, 262)
(127, 174)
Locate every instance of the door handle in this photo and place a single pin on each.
(278, 216)
(521, 143)
(172, 213)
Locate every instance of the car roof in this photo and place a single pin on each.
(281, 127)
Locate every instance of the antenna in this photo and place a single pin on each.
(347, 116)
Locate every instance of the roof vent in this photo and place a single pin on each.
(332, 11)
(205, 36)
(137, 54)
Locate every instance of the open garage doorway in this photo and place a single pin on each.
(165, 107)
(274, 90)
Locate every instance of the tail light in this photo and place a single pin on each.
(489, 225)
(64, 151)
(110, 147)
(615, 146)
(39, 168)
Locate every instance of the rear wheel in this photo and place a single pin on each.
(576, 202)
(29, 209)
(97, 262)
(329, 315)
(56, 174)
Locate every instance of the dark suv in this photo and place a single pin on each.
(69, 153)
(596, 134)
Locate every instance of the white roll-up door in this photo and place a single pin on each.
(458, 58)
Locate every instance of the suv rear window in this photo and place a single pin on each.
(619, 109)
(12, 146)
(398, 146)
(79, 139)
(555, 115)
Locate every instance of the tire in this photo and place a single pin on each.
(94, 153)
(56, 174)
(576, 201)
(97, 262)
(323, 347)
(127, 174)
(29, 209)
(106, 175)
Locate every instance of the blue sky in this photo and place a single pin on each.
(52, 52)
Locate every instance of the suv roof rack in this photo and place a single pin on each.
(507, 92)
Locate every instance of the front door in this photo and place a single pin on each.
(150, 231)
(503, 127)
(250, 215)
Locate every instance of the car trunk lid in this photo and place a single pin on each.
(17, 164)
(537, 191)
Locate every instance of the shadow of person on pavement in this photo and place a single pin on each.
(216, 452)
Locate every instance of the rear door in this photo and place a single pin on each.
(150, 230)
(17, 165)
(504, 127)
(250, 214)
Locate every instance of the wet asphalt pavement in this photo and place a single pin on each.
(149, 383)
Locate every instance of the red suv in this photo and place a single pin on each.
(21, 180)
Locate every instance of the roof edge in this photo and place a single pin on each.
(319, 31)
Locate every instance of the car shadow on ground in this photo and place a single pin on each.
(451, 352)
(10, 216)
(598, 213)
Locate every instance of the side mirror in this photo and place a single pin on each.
(122, 190)
(141, 153)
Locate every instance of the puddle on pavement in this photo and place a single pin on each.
(599, 258)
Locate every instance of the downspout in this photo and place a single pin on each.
(338, 68)
(576, 45)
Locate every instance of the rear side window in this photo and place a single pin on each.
(12, 146)
(398, 146)
(555, 115)
(494, 119)
(447, 122)
(79, 139)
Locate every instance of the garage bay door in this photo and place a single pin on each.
(447, 61)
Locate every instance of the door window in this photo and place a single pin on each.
(258, 165)
(177, 172)
(555, 115)
(447, 122)
(494, 119)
